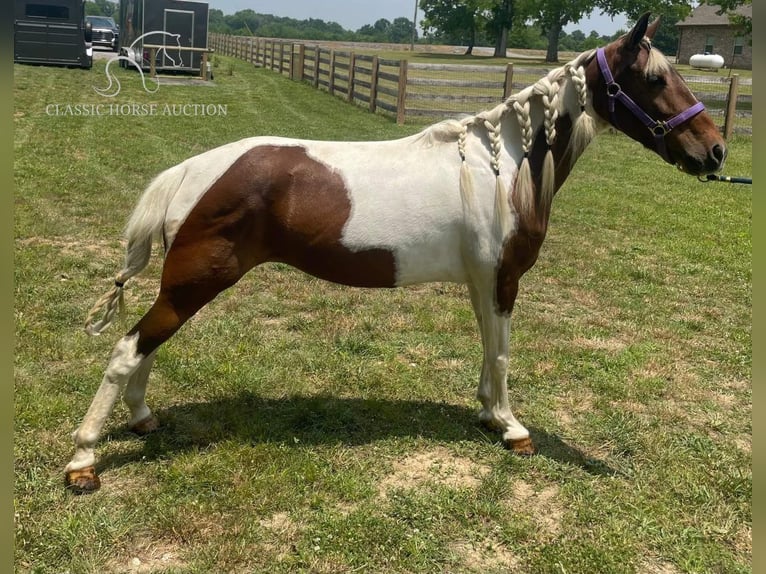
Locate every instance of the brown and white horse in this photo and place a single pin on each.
(464, 201)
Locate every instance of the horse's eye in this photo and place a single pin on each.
(655, 80)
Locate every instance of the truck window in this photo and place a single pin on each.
(47, 11)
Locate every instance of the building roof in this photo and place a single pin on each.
(706, 15)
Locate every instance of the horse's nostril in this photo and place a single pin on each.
(719, 152)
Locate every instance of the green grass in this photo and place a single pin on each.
(309, 427)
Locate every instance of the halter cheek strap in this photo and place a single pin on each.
(658, 127)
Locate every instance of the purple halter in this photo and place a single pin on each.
(659, 128)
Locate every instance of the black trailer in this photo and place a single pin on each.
(171, 24)
(52, 32)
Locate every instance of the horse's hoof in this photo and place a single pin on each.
(145, 426)
(521, 446)
(82, 481)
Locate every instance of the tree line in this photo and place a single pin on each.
(504, 24)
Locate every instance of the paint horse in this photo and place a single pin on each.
(464, 201)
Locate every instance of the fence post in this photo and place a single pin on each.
(374, 84)
(291, 64)
(731, 107)
(281, 68)
(273, 54)
(508, 83)
(401, 95)
(331, 87)
(300, 63)
(351, 64)
(317, 55)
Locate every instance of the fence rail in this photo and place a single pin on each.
(421, 90)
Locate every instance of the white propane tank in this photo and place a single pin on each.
(711, 61)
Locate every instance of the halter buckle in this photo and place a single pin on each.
(660, 129)
(613, 89)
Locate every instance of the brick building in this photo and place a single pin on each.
(704, 31)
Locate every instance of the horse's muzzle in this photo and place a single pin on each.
(715, 158)
(710, 163)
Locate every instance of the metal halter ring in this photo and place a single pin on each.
(660, 129)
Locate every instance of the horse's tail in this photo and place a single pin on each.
(144, 226)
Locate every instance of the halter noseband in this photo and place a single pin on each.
(659, 128)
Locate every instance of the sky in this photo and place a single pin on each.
(353, 14)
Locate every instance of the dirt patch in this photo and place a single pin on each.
(279, 522)
(284, 534)
(437, 465)
(72, 246)
(151, 556)
(484, 556)
(543, 506)
(653, 565)
(611, 345)
(743, 540)
(571, 405)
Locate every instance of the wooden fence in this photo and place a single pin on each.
(420, 90)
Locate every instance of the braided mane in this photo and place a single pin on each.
(547, 90)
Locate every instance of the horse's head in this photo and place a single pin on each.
(638, 91)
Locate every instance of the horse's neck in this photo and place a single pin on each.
(545, 131)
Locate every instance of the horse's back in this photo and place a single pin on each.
(369, 214)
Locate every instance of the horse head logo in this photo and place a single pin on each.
(114, 86)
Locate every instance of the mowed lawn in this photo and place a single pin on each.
(309, 427)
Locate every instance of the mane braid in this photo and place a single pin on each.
(546, 90)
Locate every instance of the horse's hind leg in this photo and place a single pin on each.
(142, 421)
(187, 286)
(80, 472)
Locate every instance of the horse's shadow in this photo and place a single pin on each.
(326, 419)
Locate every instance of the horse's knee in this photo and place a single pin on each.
(500, 365)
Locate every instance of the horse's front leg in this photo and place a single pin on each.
(493, 388)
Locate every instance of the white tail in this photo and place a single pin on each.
(144, 226)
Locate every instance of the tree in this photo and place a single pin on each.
(526, 35)
(670, 12)
(553, 15)
(730, 7)
(452, 21)
(573, 42)
(500, 25)
(400, 31)
(216, 22)
(101, 8)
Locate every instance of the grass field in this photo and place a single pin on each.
(314, 428)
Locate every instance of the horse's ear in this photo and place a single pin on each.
(639, 31)
(651, 30)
